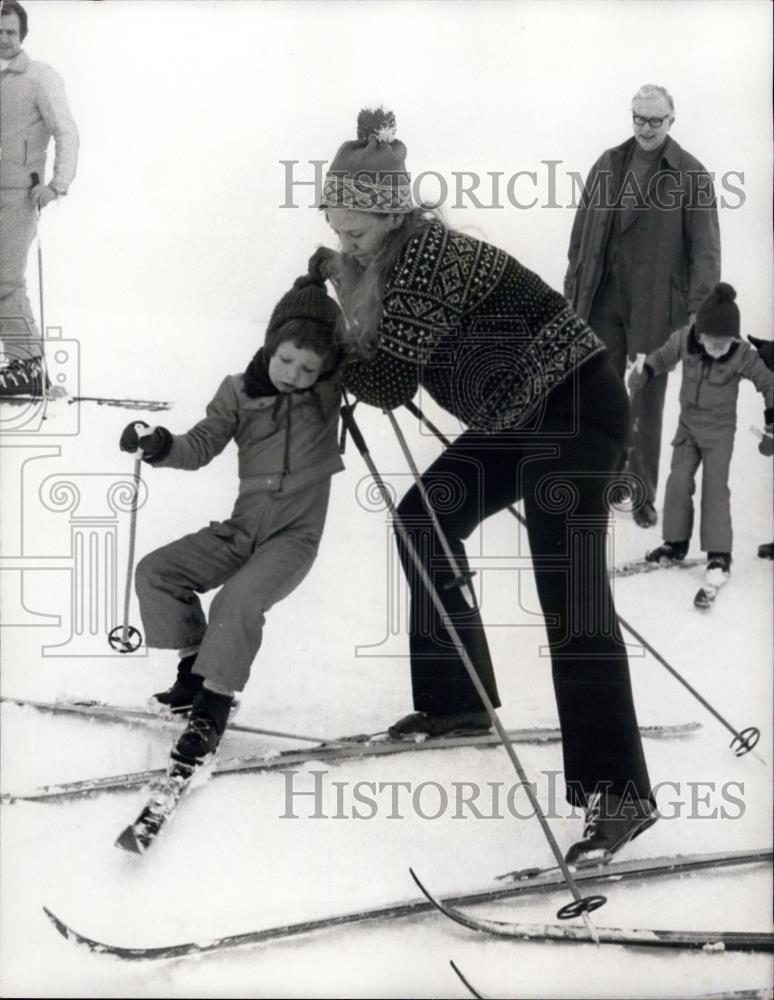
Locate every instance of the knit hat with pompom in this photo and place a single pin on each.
(718, 315)
(368, 174)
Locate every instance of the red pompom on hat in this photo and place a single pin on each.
(368, 174)
(718, 315)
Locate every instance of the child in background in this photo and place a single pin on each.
(714, 360)
(283, 414)
(766, 443)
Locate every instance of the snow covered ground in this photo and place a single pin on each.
(163, 265)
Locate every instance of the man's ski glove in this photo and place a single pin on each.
(154, 445)
(766, 443)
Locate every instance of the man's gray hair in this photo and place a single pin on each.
(652, 90)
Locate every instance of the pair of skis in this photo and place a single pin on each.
(170, 786)
(180, 778)
(328, 751)
(541, 882)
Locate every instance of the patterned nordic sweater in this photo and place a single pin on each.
(484, 336)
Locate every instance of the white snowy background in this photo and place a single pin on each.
(163, 263)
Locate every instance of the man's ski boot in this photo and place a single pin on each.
(179, 698)
(611, 822)
(206, 725)
(425, 724)
(668, 552)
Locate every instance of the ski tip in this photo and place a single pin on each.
(421, 887)
(703, 600)
(60, 926)
(128, 841)
(78, 939)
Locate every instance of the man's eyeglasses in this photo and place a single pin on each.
(653, 122)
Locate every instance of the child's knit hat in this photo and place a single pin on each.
(718, 315)
(368, 174)
(307, 299)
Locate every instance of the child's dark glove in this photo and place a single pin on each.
(154, 444)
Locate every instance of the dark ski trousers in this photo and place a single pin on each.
(562, 471)
(606, 320)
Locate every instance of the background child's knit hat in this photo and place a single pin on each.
(718, 315)
(307, 299)
(368, 174)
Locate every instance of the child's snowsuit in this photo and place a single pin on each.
(705, 433)
(287, 453)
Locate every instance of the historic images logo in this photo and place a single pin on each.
(548, 186)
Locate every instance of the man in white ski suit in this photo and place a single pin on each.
(33, 108)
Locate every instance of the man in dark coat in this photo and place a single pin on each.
(644, 253)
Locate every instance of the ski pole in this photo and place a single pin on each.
(126, 638)
(35, 181)
(580, 906)
(744, 741)
(462, 578)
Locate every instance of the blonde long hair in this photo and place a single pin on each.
(361, 290)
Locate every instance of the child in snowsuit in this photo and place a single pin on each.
(283, 414)
(714, 360)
